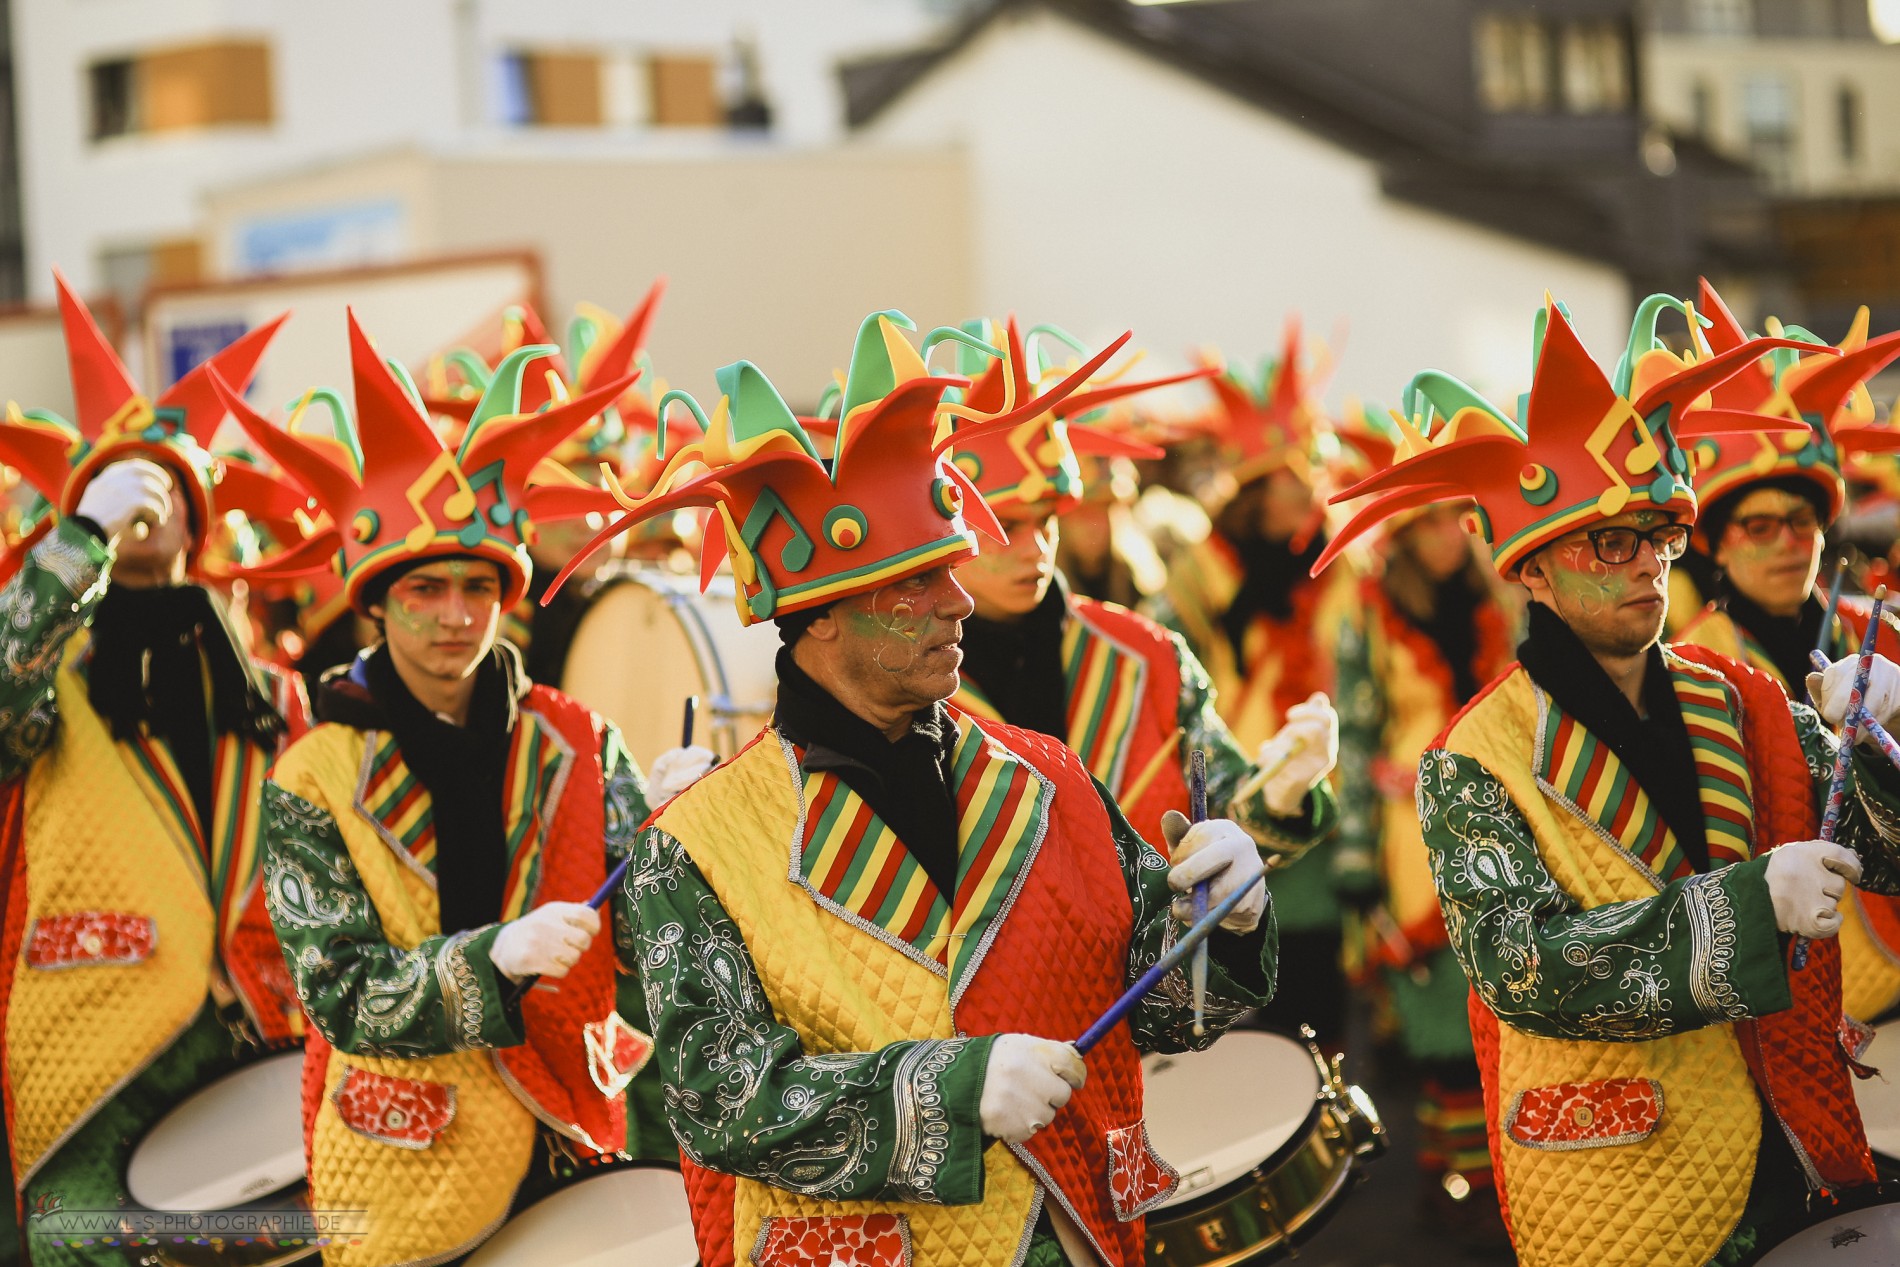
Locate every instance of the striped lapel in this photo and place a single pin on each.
(1103, 685)
(149, 762)
(971, 699)
(1002, 813)
(1711, 713)
(855, 865)
(237, 821)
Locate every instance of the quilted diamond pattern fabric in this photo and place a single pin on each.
(95, 843)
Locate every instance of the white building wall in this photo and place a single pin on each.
(1110, 190)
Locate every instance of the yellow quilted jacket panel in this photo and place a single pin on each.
(423, 1204)
(841, 989)
(94, 842)
(1669, 1200)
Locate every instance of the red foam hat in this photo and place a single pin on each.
(1275, 422)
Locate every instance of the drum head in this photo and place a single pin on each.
(1879, 1098)
(632, 662)
(628, 1215)
(1214, 1115)
(1867, 1237)
(238, 1139)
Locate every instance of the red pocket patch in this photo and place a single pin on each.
(399, 1111)
(857, 1240)
(616, 1051)
(1585, 1114)
(89, 938)
(1138, 1179)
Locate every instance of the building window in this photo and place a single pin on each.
(685, 91)
(1847, 122)
(547, 89)
(1596, 76)
(1722, 17)
(1514, 63)
(1768, 116)
(1702, 109)
(198, 86)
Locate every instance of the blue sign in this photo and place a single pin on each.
(189, 346)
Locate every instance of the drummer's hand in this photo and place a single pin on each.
(1806, 881)
(125, 492)
(545, 942)
(1219, 852)
(1304, 751)
(1830, 690)
(677, 769)
(1028, 1080)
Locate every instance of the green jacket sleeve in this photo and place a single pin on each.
(52, 597)
(625, 809)
(1361, 703)
(1240, 974)
(1870, 814)
(364, 995)
(1702, 951)
(901, 1123)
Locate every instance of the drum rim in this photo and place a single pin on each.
(1297, 1143)
(1849, 1201)
(271, 1053)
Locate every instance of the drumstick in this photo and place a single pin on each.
(1194, 936)
(614, 877)
(1850, 733)
(1884, 741)
(1197, 812)
(1293, 750)
(1833, 606)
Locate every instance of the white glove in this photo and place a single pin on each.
(1219, 852)
(677, 769)
(1300, 755)
(545, 942)
(1028, 1080)
(1806, 880)
(1830, 690)
(126, 491)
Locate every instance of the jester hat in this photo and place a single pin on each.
(389, 493)
(1038, 461)
(1590, 446)
(115, 420)
(804, 530)
(1824, 391)
(1275, 421)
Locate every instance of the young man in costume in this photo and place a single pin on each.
(1264, 627)
(433, 841)
(1124, 693)
(1621, 836)
(1768, 502)
(867, 939)
(1429, 628)
(135, 730)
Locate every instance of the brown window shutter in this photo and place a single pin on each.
(565, 89)
(204, 85)
(685, 92)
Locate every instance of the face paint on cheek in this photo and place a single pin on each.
(1585, 580)
(411, 617)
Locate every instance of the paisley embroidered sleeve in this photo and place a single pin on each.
(900, 1123)
(1702, 951)
(49, 599)
(1870, 816)
(1361, 704)
(365, 995)
(1240, 965)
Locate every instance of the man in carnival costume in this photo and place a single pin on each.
(1428, 629)
(868, 938)
(432, 842)
(135, 731)
(1623, 837)
(1264, 627)
(1124, 693)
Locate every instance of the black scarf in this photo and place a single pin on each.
(154, 652)
(1270, 573)
(1786, 639)
(1018, 664)
(554, 625)
(463, 768)
(907, 784)
(1655, 748)
(1453, 629)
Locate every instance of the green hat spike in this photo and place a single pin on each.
(502, 397)
(1032, 346)
(972, 361)
(474, 369)
(1446, 396)
(755, 407)
(1537, 331)
(340, 424)
(1642, 337)
(400, 373)
(828, 399)
(871, 376)
(659, 426)
(970, 344)
(582, 333)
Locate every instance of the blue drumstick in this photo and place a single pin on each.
(1833, 605)
(1197, 812)
(1868, 725)
(1850, 733)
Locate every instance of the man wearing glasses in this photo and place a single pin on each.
(1623, 838)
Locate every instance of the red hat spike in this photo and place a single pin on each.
(40, 447)
(390, 425)
(314, 466)
(1381, 509)
(1724, 332)
(101, 385)
(237, 364)
(619, 355)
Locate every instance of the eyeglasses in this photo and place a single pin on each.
(1619, 545)
(1762, 529)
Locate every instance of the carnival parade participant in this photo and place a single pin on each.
(1767, 503)
(872, 1061)
(1621, 835)
(1429, 628)
(1264, 628)
(431, 844)
(1124, 693)
(135, 731)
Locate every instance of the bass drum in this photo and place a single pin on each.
(1879, 1098)
(620, 1217)
(233, 1153)
(1259, 1172)
(649, 640)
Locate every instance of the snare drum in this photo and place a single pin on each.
(1863, 1232)
(1879, 1097)
(1262, 1169)
(235, 1147)
(649, 640)
(620, 1217)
